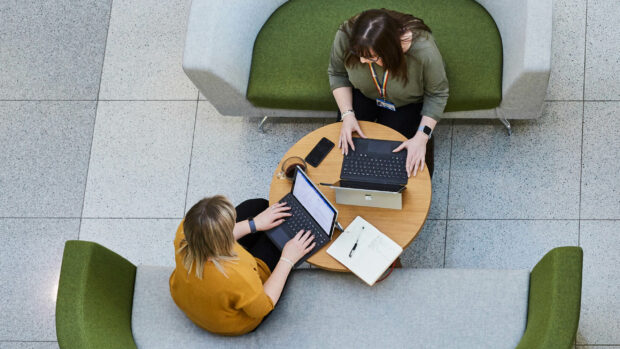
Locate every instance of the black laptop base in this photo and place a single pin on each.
(373, 161)
(298, 220)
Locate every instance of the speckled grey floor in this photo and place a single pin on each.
(103, 138)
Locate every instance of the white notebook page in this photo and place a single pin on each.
(374, 253)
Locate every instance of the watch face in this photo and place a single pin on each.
(427, 130)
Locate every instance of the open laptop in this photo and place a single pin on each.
(373, 161)
(310, 210)
(368, 194)
(372, 175)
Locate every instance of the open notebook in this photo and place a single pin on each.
(374, 252)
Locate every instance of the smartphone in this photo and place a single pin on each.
(319, 152)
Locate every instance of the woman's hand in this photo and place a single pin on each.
(349, 125)
(272, 217)
(416, 153)
(294, 250)
(298, 246)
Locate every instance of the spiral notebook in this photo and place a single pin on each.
(374, 251)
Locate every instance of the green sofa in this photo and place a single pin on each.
(269, 58)
(99, 294)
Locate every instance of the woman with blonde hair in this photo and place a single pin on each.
(228, 274)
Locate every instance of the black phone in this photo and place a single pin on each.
(319, 152)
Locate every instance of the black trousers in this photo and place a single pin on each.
(405, 119)
(258, 244)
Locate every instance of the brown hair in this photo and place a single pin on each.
(380, 31)
(208, 228)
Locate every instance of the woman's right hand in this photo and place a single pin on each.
(349, 125)
(298, 246)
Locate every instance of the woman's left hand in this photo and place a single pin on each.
(272, 217)
(416, 152)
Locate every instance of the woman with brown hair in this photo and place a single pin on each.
(385, 67)
(228, 274)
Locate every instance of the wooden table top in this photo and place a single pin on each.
(400, 225)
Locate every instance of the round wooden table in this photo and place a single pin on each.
(400, 225)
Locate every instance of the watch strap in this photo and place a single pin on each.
(426, 130)
(252, 225)
(350, 111)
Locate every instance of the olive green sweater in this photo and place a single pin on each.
(425, 70)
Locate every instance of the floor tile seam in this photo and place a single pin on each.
(518, 219)
(48, 100)
(30, 217)
(585, 51)
(191, 155)
(148, 100)
(445, 236)
(583, 118)
(25, 341)
(582, 100)
(130, 218)
(563, 100)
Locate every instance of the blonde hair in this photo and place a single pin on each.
(208, 229)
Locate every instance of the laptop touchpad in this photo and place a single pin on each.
(360, 146)
(383, 147)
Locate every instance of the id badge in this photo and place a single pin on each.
(384, 103)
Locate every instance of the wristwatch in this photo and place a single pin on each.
(342, 115)
(252, 225)
(426, 130)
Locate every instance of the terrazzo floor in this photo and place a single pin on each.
(103, 138)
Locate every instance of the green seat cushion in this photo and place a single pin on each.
(291, 52)
(95, 297)
(554, 300)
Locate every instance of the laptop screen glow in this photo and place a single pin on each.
(307, 195)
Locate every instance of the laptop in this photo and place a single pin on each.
(310, 210)
(372, 175)
(373, 161)
(368, 194)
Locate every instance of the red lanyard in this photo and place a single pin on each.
(380, 86)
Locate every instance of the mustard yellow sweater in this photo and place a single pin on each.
(231, 305)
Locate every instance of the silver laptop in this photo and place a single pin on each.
(368, 194)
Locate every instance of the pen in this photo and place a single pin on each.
(354, 247)
(355, 244)
(339, 227)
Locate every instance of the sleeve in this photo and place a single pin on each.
(436, 89)
(258, 306)
(251, 297)
(338, 76)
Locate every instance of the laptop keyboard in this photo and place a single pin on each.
(375, 166)
(301, 220)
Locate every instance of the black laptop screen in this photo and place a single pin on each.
(310, 198)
